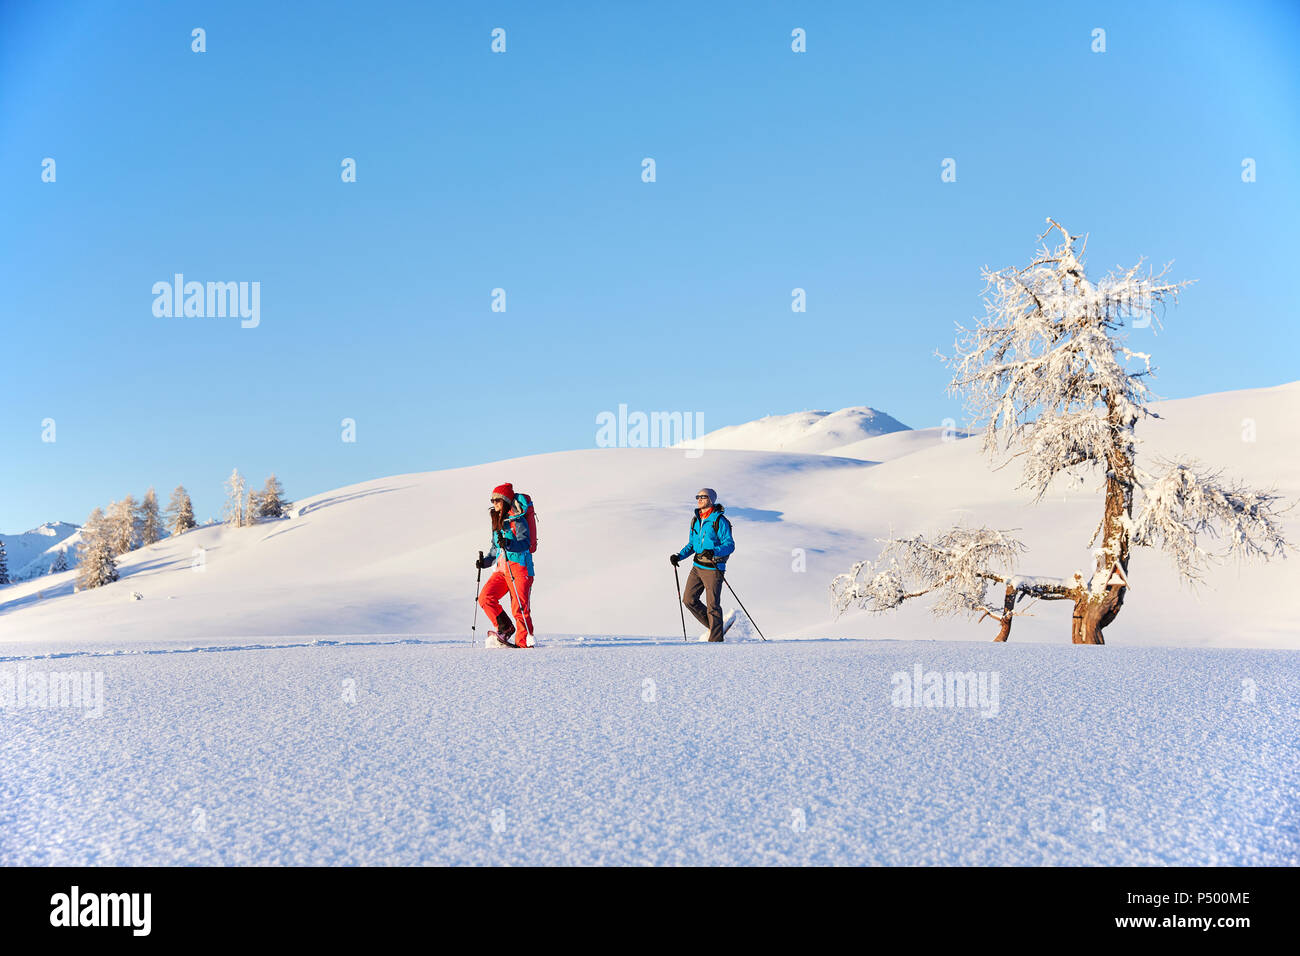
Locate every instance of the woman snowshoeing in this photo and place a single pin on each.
(514, 567)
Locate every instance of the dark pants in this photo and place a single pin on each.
(710, 582)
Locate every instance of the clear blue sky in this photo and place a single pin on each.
(522, 171)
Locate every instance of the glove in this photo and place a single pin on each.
(674, 559)
(482, 563)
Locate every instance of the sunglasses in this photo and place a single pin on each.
(701, 497)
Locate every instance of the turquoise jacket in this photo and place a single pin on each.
(513, 538)
(712, 534)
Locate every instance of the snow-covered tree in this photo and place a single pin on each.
(97, 566)
(1048, 375)
(4, 565)
(148, 519)
(271, 502)
(180, 511)
(60, 562)
(234, 512)
(123, 529)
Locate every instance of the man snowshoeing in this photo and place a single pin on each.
(514, 574)
(711, 542)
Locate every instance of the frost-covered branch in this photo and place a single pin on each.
(1186, 504)
(1045, 371)
(957, 567)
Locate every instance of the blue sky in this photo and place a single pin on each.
(522, 171)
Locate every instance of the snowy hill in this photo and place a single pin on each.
(858, 432)
(395, 555)
(897, 444)
(815, 432)
(32, 552)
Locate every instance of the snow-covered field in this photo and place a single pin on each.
(637, 752)
(305, 691)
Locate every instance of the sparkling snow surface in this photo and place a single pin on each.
(625, 751)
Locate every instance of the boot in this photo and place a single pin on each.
(505, 628)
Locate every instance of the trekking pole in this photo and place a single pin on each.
(477, 583)
(677, 576)
(741, 603)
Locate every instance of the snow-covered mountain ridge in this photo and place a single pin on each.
(32, 552)
(858, 432)
(811, 432)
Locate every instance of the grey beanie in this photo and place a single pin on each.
(713, 495)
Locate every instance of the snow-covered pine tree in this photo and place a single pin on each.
(107, 519)
(271, 502)
(60, 562)
(97, 566)
(180, 511)
(4, 566)
(250, 508)
(233, 510)
(148, 519)
(1048, 374)
(123, 530)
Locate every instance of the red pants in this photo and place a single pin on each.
(510, 578)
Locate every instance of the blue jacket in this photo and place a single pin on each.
(705, 538)
(513, 538)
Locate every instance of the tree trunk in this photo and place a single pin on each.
(1094, 612)
(1092, 615)
(1008, 603)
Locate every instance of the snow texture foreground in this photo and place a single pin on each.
(635, 752)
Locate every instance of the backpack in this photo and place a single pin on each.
(530, 515)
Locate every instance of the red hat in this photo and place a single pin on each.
(506, 491)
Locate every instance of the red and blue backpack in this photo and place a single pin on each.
(530, 516)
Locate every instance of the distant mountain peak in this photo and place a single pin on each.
(55, 529)
(816, 432)
(31, 553)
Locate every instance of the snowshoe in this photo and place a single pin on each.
(727, 621)
(500, 637)
(494, 639)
